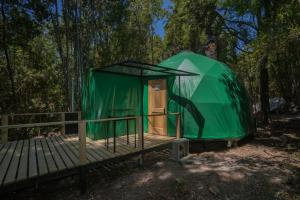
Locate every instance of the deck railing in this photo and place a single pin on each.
(84, 154)
(139, 141)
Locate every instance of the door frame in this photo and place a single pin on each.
(150, 107)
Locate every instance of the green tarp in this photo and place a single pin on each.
(107, 95)
(213, 105)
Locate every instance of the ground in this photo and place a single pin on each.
(260, 168)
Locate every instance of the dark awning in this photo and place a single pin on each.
(134, 68)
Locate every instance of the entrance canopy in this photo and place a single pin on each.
(121, 90)
(134, 68)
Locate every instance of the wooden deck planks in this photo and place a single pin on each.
(65, 158)
(156, 140)
(49, 159)
(3, 151)
(56, 157)
(41, 160)
(73, 156)
(6, 161)
(14, 164)
(122, 145)
(25, 159)
(101, 149)
(23, 167)
(96, 154)
(1, 146)
(32, 159)
(75, 143)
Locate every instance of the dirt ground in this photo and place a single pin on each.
(260, 168)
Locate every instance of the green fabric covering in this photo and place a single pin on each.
(213, 105)
(108, 95)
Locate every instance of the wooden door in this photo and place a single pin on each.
(157, 104)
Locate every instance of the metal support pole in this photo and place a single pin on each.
(181, 108)
(141, 121)
(135, 133)
(107, 135)
(142, 109)
(127, 130)
(114, 124)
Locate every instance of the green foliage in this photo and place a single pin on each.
(47, 46)
(192, 23)
(51, 44)
(280, 39)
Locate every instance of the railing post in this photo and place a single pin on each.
(4, 131)
(79, 115)
(140, 139)
(114, 124)
(63, 126)
(139, 131)
(178, 134)
(82, 141)
(107, 135)
(136, 130)
(82, 157)
(127, 130)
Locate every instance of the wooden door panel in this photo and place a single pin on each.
(158, 110)
(157, 100)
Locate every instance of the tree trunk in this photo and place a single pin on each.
(67, 57)
(64, 60)
(264, 88)
(8, 64)
(77, 55)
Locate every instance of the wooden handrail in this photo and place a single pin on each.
(76, 121)
(162, 114)
(82, 130)
(38, 124)
(32, 114)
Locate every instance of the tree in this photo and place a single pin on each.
(60, 40)
(193, 23)
(273, 23)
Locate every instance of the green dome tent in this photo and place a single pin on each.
(213, 105)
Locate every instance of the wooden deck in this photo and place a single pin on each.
(33, 159)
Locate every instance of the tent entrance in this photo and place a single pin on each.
(139, 73)
(157, 104)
